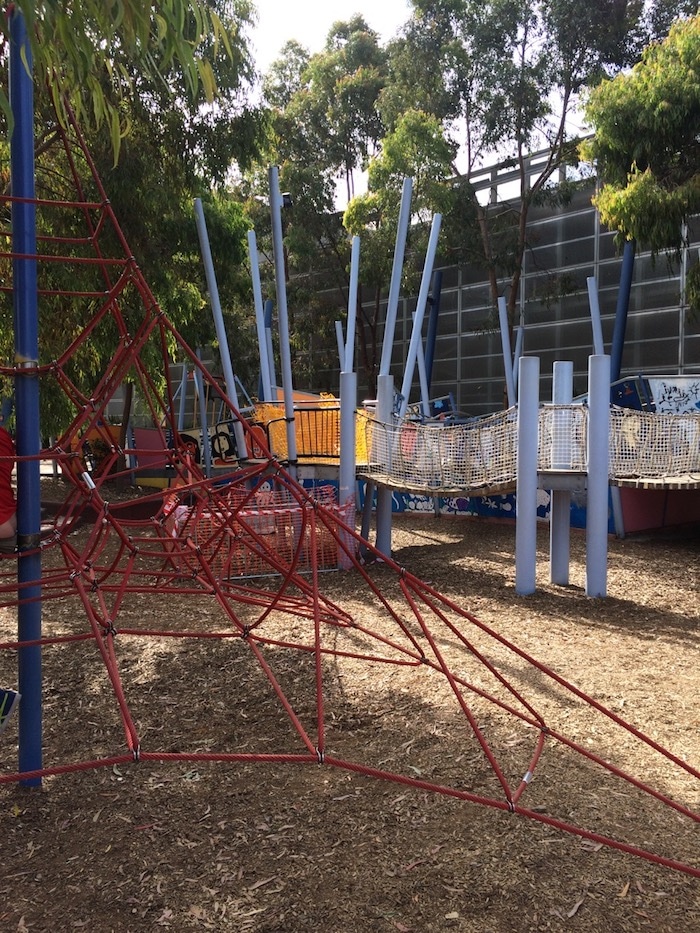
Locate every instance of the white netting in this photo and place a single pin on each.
(644, 444)
(442, 457)
(481, 454)
(563, 432)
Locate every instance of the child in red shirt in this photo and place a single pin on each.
(8, 541)
(8, 503)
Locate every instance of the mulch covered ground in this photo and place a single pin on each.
(281, 847)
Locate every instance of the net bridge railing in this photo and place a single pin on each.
(481, 454)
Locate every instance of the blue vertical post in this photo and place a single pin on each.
(623, 304)
(431, 336)
(26, 395)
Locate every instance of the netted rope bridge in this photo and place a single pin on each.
(479, 457)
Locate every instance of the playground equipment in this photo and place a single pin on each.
(613, 448)
(108, 555)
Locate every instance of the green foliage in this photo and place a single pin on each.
(323, 128)
(416, 149)
(323, 106)
(501, 78)
(647, 141)
(151, 190)
(648, 211)
(647, 147)
(639, 114)
(163, 86)
(285, 77)
(692, 291)
(91, 51)
(466, 82)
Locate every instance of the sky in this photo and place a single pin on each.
(308, 21)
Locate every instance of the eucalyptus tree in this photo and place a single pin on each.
(323, 128)
(162, 93)
(416, 149)
(646, 146)
(505, 80)
(90, 51)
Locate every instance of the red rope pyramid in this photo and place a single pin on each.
(201, 540)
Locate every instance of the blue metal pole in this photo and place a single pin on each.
(431, 336)
(623, 304)
(26, 396)
(270, 350)
(219, 326)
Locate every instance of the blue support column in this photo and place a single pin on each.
(431, 336)
(623, 304)
(26, 396)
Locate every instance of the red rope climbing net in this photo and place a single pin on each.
(247, 545)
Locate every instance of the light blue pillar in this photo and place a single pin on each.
(276, 204)
(224, 350)
(598, 475)
(506, 349)
(417, 330)
(526, 495)
(265, 385)
(385, 417)
(560, 503)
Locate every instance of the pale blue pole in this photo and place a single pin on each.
(283, 316)
(219, 327)
(526, 494)
(265, 385)
(26, 395)
(417, 331)
(507, 355)
(598, 453)
(560, 503)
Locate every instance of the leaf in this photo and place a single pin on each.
(259, 884)
(574, 909)
(624, 891)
